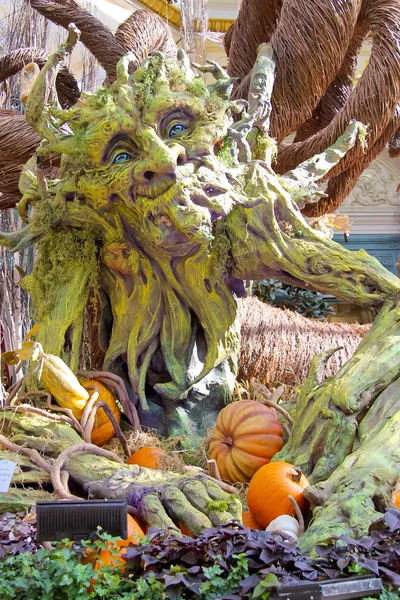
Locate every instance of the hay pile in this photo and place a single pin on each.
(278, 344)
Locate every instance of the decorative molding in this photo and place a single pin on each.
(172, 15)
(377, 186)
(373, 207)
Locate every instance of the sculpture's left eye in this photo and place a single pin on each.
(122, 157)
(176, 129)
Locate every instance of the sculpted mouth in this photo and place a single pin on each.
(163, 182)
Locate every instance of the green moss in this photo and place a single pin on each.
(220, 250)
(47, 216)
(197, 87)
(362, 137)
(224, 153)
(217, 505)
(60, 254)
(264, 144)
(177, 79)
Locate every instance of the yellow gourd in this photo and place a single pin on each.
(63, 385)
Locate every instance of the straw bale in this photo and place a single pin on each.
(277, 344)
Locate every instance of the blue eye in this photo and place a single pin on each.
(122, 157)
(176, 129)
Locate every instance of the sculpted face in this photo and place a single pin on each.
(155, 163)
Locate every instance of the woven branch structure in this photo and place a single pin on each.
(315, 47)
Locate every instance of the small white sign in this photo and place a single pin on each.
(7, 468)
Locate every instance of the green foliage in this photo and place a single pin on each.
(358, 569)
(224, 153)
(386, 594)
(58, 574)
(305, 302)
(217, 586)
(263, 589)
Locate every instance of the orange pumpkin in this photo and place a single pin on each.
(246, 436)
(396, 496)
(135, 533)
(267, 496)
(103, 429)
(249, 521)
(147, 457)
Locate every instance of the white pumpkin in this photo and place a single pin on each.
(287, 525)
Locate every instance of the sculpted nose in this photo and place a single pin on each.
(161, 159)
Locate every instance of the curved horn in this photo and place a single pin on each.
(94, 35)
(372, 102)
(142, 33)
(313, 50)
(339, 187)
(339, 90)
(66, 84)
(18, 143)
(254, 25)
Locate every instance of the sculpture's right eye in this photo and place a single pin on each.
(121, 158)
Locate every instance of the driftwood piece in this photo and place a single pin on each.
(22, 500)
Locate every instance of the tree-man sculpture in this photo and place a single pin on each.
(164, 204)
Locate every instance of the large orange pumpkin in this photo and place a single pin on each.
(103, 429)
(267, 496)
(249, 521)
(147, 457)
(246, 436)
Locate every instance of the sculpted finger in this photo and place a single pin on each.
(216, 510)
(232, 500)
(182, 510)
(153, 512)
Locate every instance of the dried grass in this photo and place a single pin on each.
(278, 345)
(178, 454)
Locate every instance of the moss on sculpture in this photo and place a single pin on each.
(164, 204)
